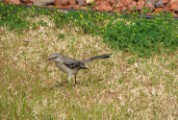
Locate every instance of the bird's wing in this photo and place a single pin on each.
(72, 65)
(70, 62)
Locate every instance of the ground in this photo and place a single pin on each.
(121, 87)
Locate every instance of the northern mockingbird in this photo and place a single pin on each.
(72, 66)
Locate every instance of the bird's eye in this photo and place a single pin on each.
(55, 57)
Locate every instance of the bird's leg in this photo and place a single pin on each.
(69, 77)
(75, 75)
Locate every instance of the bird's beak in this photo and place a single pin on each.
(49, 58)
(52, 58)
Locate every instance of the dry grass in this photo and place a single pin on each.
(122, 87)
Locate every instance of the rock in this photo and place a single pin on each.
(13, 1)
(65, 7)
(124, 9)
(112, 2)
(76, 7)
(125, 2)
(149, 5)
(157, 10)
(98, 2)
(72, 2)
(152, 1)
(90, 1)
(140, 4)
(171, 1)
(174, 6)
(161, 3)
(26, 1)
(81, 2)
(132, 6)
(59, 3)
(165, 1)
(43, 3)
(175, 14)
(119, 5)
(84, 8)
(117, 10)
(104, 6)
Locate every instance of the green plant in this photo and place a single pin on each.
(13, 17)
(122, 32)
(141, 36)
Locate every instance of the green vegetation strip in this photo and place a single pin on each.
(128, 33)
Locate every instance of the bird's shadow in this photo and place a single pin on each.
(64, 84)
(60, 84)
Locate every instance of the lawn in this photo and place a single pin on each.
(129, 85)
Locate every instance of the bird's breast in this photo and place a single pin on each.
(65, 69)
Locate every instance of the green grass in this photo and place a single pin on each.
(143, 37)
(123, 87)
(138, 36)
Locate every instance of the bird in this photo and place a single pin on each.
(71, 66)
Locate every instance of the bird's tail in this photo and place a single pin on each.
(104, 56)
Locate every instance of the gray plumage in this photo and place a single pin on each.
(72, 66)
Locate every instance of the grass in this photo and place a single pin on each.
(123, 87)
(131, 34)
(143, 37)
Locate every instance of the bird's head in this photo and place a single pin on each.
(54, 56)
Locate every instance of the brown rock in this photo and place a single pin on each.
(157, 10)
(59, 3)
(140, 4)
(84, 8)
(65, 7)
(77, 6)
(124, 9)
(104, 6)
(72, 2)
(165, 1)
(166, 8)
(117, 10)
(105, 2)
(112, 2)
(149, 5)
(132, 6)
(125, 2)
(174, 6)
(175, 14)
(98, 2)
(26, 1)
(171, 1)
(13, 1)
(81, 2)
(119, 5)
